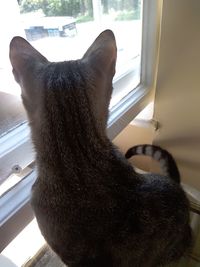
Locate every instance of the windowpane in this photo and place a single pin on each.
(63, 30)
(79, 23)
(11, 110)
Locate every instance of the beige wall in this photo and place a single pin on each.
(177, 99)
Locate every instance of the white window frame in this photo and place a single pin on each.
(15, 211)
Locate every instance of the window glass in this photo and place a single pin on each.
(63, 30)
(11, 110)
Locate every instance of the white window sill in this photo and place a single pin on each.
(21, 250)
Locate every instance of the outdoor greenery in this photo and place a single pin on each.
(128, 15)
(84, 18)
(58, 7)
(82, 9)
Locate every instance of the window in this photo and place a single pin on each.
(63, 30)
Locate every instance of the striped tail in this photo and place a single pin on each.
(167, 162)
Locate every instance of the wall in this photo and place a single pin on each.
(139, 131)
(177, 99)
(134, 135)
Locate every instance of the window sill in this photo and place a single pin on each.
(19, 250)
(15, 206)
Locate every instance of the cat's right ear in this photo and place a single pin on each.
(23, 58)
(102, 54)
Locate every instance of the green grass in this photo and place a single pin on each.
(128, 15)
(85, 18)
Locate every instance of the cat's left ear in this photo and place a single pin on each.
(24, 58)
(102, 54)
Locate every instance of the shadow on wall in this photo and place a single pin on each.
(135, 135)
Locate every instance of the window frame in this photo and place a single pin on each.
(15, 208)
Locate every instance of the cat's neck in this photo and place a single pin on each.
(58, 144)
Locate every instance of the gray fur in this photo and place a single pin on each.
(91, 206)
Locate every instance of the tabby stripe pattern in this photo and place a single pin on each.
(167, 162)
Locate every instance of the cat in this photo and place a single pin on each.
(167, 162)
(92, 208)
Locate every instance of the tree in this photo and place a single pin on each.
(29, 5)
(82, 7)
(105, 6)
(89, 7)
(76, 7)
(58, 7)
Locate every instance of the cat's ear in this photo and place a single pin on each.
(23, 57)
(102, 54)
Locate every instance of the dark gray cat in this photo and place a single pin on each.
(93, 209)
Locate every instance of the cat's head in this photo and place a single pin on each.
(96, 69)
